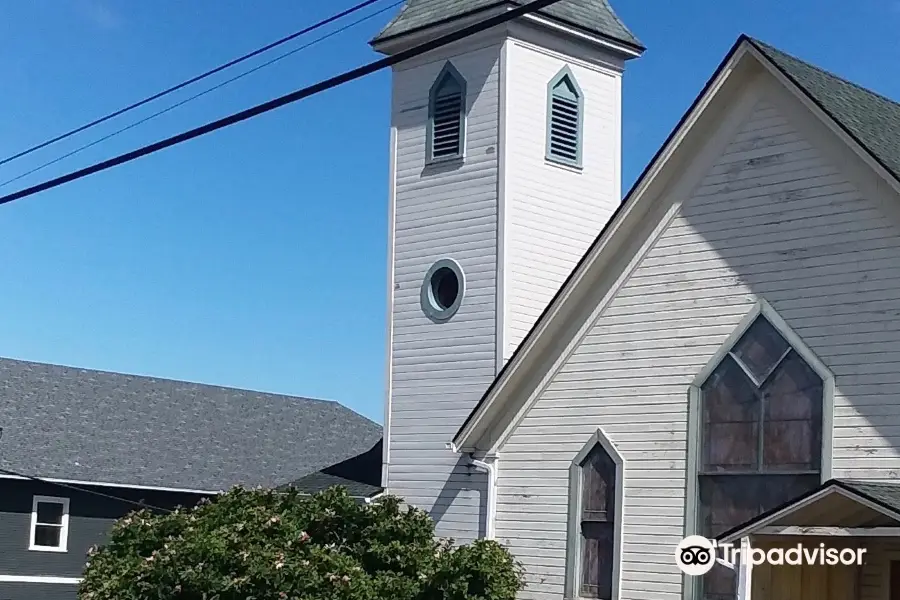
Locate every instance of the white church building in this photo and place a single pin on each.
(588, 377)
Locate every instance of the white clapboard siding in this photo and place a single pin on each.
(439, 371)
(773, 219)
(552, 212)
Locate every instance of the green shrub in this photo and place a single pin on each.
(263, 544)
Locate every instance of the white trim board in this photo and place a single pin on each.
(39, 579)
(113, 485)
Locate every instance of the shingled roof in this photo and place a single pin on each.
(592, 16)
(78, 424)
(872, 119)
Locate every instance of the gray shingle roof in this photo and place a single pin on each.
(869, 117)
(361, 475)
(79, 424)
(593, 16)
(886, 493)
(320, 481)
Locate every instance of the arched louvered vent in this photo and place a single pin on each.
(447, 115)
(565, 113)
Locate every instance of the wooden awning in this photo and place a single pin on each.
(841, 507)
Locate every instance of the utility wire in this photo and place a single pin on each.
(195, 79)
(85, 490)
(203, 93)
(346, 77)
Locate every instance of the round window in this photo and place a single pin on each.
(442, 290)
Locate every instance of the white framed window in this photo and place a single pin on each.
(49, 524)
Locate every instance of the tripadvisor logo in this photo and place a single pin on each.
(695, 555)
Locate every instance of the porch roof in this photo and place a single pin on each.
(838, 506)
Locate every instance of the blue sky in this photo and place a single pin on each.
(255, 257)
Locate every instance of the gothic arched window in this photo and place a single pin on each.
(446, 116)
(565, 113)
(595, 505)
(760, 437)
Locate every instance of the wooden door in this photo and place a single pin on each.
(894, 590)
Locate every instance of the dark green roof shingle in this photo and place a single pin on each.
(886, 493)
(869, 117)
(594, 16)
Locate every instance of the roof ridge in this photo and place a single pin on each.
(770, 48)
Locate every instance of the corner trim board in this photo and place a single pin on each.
(501, 335)
(389, 338)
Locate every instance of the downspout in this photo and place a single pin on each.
(491, 469)
(373, 498)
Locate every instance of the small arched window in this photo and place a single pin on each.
(446, 116)
(595, 504)
(565, 113)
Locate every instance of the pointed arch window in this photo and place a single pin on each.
(446, 116)
(595, 504)
(761, 428)
(565, 113)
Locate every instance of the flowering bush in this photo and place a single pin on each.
(263, 544)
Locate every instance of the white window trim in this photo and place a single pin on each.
(573, 539)
(692, 493)
(64, 530)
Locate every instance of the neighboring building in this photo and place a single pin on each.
(721, 359)
(160, 442)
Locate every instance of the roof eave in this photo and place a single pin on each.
(380, 42)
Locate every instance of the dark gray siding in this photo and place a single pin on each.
(38, 591)
(90, 519)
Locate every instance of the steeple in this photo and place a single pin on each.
(505, 163)
(594, 17)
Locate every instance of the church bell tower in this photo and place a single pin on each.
(505, 164)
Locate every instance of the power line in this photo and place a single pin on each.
(85, 490)
(203, 93)
(346, 77)
(195, 79)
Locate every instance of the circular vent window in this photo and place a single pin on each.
(442, 290)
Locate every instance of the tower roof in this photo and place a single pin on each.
(592, 16)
